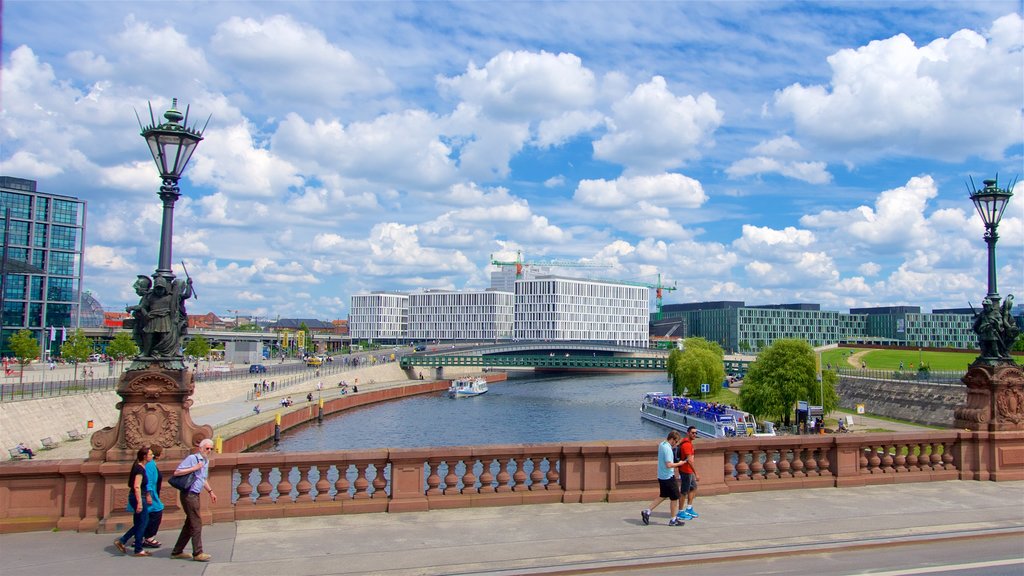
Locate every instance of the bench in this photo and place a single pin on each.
(48, 443)
(17, 454)
(75, 435)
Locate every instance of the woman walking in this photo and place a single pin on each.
(139, 500)
(156, 506)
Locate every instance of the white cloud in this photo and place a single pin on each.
(652, 129)
(948, 99)
(672, 190)
(869, 269)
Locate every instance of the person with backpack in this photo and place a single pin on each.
(199, 464)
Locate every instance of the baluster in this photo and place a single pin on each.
(519, 477)
(264, 488)
(244, 489)
(503, 476)
(536, 476)
(900, 461)
(323, 486)
(887, 458)
(380, 482)
(742, 468)
(811, 463)
(823, 463)
(947, 456)
(874, 460)
(469, 479)
(554, 480)
(451, 479)
(865, 464)
(729, 468)
(361, 483)
(785, 468)
(912, 460)
(284, 486)
(756, 465)
(304, 485)
(433, 479)
(798, 463)
(486, 478)
(341, 485)
(771, 469)
(935, 457)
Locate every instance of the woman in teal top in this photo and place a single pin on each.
(156, 509)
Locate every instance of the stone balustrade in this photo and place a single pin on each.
(91, 496)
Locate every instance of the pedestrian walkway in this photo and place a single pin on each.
(550, 538)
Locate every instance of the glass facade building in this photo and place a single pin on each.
(379, 316)
(42, 260)
(571, 309)
(470, 315)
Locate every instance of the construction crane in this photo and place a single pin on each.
(519, 264)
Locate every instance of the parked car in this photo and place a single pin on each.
(420, 347)
(257, 369)
(313, 361)
(95, 357)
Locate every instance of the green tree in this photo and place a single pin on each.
(699, 362)
(784, 373)
(76, 348)
(197, 346)
(122, 346)
(25, 349)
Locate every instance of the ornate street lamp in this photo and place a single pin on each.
(172, 145)
(995, 395)
(155, 389)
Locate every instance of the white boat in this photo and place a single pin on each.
(711, 420)
(466, 387)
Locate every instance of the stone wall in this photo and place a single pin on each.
(919, 402)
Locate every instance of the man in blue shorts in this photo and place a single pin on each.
(667, 484)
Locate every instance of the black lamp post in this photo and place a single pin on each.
(993, 324)
(991, 201)
(172, 145)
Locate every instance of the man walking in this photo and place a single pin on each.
(688, 476)
(193, 528)
(668, 487)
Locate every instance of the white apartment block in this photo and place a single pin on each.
(553, 308)
(471, 315)
(379, 316)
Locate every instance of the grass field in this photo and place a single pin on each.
(890, 359)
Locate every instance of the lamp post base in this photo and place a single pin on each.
(154, 410)
(995, 398)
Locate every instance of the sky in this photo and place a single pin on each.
(769, 152)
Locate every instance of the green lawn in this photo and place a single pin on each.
(890, 359)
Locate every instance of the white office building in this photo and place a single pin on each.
(472, 315)
(379, 316)
(567, 309)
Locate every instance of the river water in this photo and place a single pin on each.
(526, 408)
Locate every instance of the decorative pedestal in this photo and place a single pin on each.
(995, 398)
(154, 410)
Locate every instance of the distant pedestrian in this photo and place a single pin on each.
(21, 448)
(190, 500)
(309, 397)
(668, 486)
(688, 476)
(256, 409)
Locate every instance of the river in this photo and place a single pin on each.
(526, 408)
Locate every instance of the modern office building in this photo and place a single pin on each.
(573, 309)
(470, 315)
(379, 316)
(740, 328)
(41, 261)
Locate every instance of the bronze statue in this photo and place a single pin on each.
(996, 328)
(160, 316)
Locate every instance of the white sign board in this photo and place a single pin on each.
(705, 388)
(860, 408)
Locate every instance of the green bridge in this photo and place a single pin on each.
(539, 361)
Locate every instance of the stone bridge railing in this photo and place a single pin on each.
(91, 496)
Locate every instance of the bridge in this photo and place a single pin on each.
(539, 354)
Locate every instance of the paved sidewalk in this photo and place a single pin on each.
(549, 538)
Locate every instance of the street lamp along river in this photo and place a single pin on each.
(995, 383)
(156, 387)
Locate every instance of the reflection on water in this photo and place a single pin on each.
(527, 408)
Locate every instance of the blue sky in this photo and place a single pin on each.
(771, 152)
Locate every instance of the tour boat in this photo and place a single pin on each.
(466, 387)
(712, 420)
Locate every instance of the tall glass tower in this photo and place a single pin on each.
(42, 246)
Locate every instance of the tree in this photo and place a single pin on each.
(784, 373)
(25, 349)
(76, 348)
(699, 362)
(122, 346)
(197, 346)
